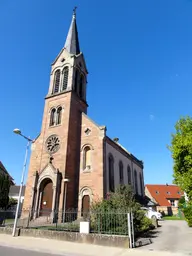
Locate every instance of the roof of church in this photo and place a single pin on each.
(72, 41)
(117, 144)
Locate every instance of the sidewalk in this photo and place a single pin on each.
(74, 249)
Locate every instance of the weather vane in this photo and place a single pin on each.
(74, 11)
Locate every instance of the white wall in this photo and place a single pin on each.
(126, 161)
(17, 197)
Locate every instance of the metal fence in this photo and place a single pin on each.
(114, 223)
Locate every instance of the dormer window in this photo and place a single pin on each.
(157, 192)
(168, 193)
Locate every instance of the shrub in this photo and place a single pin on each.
(182, 203)
(188, 214)
(110, 215)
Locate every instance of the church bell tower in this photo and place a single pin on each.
(55, 153)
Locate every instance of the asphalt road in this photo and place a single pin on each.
(7, 251)
(173, 236)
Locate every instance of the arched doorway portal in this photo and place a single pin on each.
(85, 205)
(46, 190)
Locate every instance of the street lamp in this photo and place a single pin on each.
(65, 197)
(18, 132)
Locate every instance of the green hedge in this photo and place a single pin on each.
(188, 214)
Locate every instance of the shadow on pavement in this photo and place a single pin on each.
(146, 238)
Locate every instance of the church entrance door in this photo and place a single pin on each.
(85, 205)
(47, 197)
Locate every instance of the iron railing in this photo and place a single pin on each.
(101, 222)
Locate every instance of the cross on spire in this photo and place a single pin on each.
(74, 11)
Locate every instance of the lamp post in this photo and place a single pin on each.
(18, 132)
(65, 197)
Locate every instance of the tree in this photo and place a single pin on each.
(4, 190)
(12, 202)
(181, 149)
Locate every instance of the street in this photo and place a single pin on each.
(173, 236)
(8, 251)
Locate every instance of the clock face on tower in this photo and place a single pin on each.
(52, 144)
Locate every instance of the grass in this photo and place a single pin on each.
(173, 218)
(9, 220)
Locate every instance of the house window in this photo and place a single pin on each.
(168, 193)
(121, 178)
(53, 117)
(87, 158)
(129, 174)
(136, 184)
(57, 81)
(59, 113)
(172, 202)
(157, 192)
(111, 174)
(65, 78)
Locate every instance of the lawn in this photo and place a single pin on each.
(173, 218)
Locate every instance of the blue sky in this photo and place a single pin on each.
(139, 57)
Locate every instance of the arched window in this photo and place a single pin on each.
(111, 174)
(53, 117)
(81, 81)
(87, 158)
(65, 78)
(57, 81)
(59, 113)
(76, 80)
(141, 183)
(136, 184)
(121, 178)
(129, 174)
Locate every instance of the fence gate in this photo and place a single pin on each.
(131, 233)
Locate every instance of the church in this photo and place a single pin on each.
(73, 161)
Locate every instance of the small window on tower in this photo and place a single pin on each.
(81, 82)
(65, 78)
(57, 81)
(59, 112)
(87, 158)
(76, 80)
(87, 131)
(53, 117)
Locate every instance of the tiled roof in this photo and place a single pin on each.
(162, 193)
(3, 169)
(14, 191)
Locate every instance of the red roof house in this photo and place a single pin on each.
(165, 196)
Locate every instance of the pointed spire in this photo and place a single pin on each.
(72, 41)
